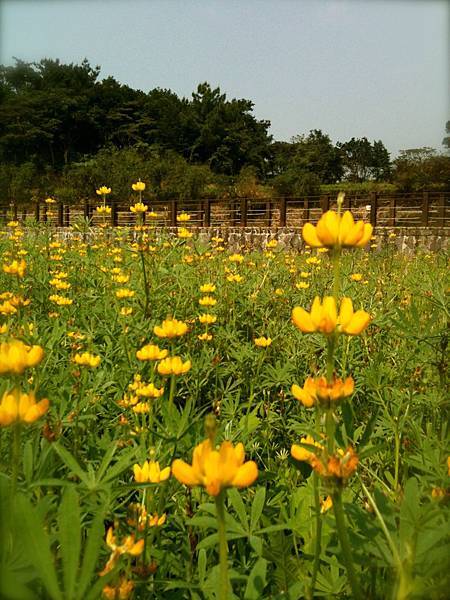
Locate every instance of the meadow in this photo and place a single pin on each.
(180, 419)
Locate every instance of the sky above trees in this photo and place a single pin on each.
(351, 68)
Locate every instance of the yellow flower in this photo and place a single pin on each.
(318, 390)
(139, 186)
(303, 454)
(152, 214)
(15, 357)
(326, 504)
(207, 319)
(207, 301)
(305, 274)
(60, 300)
(173, 365)
(170, 328)
(124, 293)
(208, 288)
(149, 391)
(184, 233)
(103, 190)
(183, 217)
(151, 352)
(129, 546)
(235, 278)
(272, 244)
(216, 470)
(17, 267)
(6, 308)
(262, 342)
(86, 359)
(356, 277)
(279, 292)
(236, 258)
(302, 285)
(325, 319)
(139, 207)
(150, 472)
(103, 210)
(50, 201)
(335, 230)
(205, 337)
(18, 406)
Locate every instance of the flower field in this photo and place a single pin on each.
(180, 419)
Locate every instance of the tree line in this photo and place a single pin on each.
(64, 132)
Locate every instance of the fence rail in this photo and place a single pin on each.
(422, 209)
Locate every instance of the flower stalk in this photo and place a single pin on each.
(224, 583)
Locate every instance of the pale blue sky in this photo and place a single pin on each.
(358, 68)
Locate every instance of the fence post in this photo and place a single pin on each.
(86, 210)
(306, 212)
(14, 211)
(37, 211)
(373, 208)
(173, 213)
(244, 209)
(425, 208)
(67, 215)
(392, 211)
(207, 213)
(60, 214)
(324, 203)
(114, 219)
(283, 212)
(269, 213)
(441, 210)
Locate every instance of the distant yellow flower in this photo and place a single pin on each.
(207, 288)
(6, 308)
(139, 208)
(15, 357)
(103, 190)
(139, 186)
(305, 274)
(235, 278)
(205, 337)
(170, 328)
(16, 267)
(150, 472)
(152, 214)
(50, 201)
(183, 217)
(279, 292)
(173, 365)
(149, 391)
(103, 210)
(335, 230)
(236, 258)
(356, 277)
(207, 301)
(17, 406)
(216, 470)
(324, 318)
(124, 293)
(86, 359)
(326, 504)
(60, 300)
(302, 285)
(184, 233)
(151, 352)
(319, 391)
(262, 342)
(207, 319)
(272, 244)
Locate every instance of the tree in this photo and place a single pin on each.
(446, 140)
(363, 161)
(421, 168)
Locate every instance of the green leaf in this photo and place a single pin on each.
(72, 464)
(37, 546)
(202, 565)
(257, 507)
(256, 580)
(91, 552)
(238, 505)
(69, 522)
(28, 461)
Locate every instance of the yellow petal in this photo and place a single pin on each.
(184, 473)
(345, 312)
(302, 320)
(367, 234)
(303, 396)
(358, 323)
(246, 475)
(310, 236)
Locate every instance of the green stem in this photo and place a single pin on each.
(173, 382)
(331, 344)
(15, 457)
(224, 583)
(341, 527)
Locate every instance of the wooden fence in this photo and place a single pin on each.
(421, 209)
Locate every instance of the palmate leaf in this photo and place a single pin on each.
(38, 545)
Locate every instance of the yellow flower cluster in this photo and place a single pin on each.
(216, 470)
(334, 230)
(170, 328)
(324, 317)
(17, 406)
(15, 357)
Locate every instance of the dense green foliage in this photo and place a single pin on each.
(62, 127)
(74, 465)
